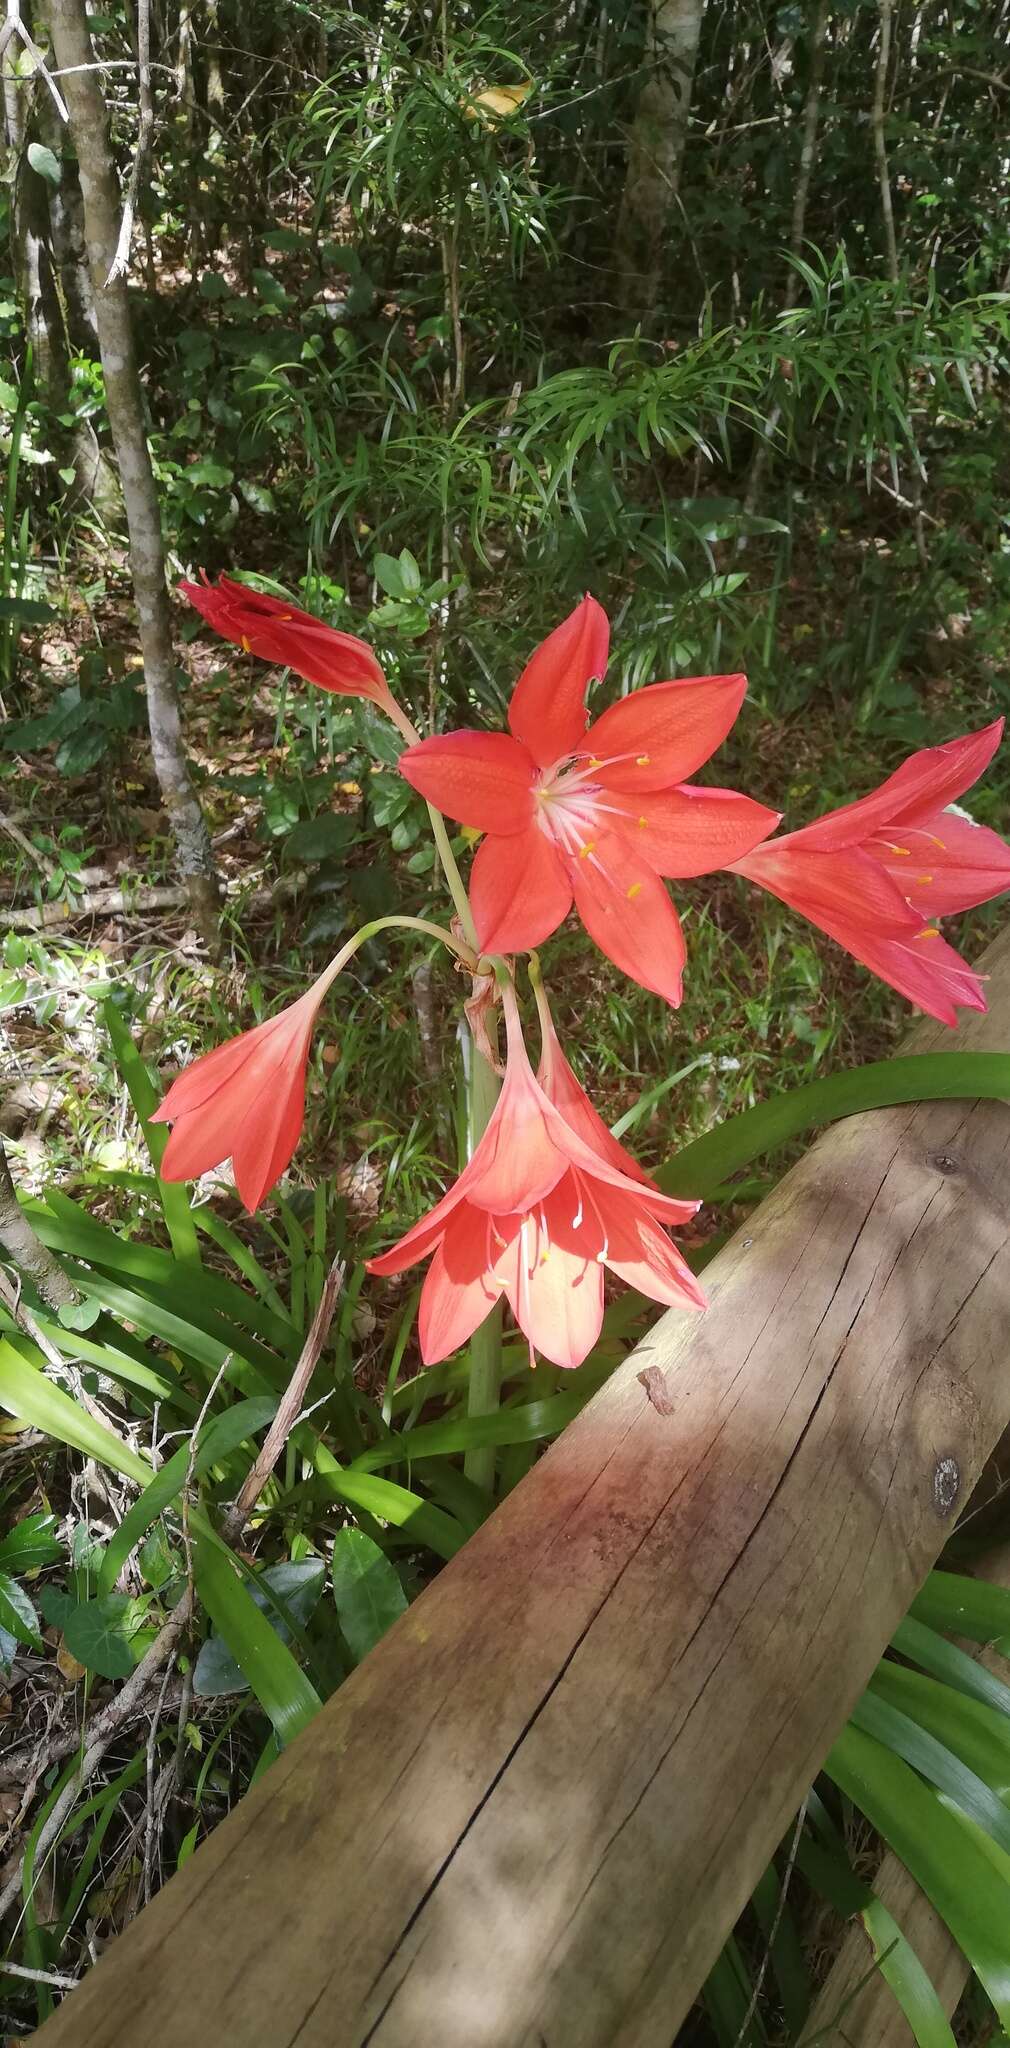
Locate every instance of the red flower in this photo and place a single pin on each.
(278, 632)
(597, 816)
(245, 1101)
(875, 873)
(548, 1199)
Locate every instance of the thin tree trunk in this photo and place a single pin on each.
(39, 282)
(656, 151)
(27, 1251)
(879, 141)
(808, 150)
(90, 133)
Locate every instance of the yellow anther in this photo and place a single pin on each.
(586, 850)
(642, 760)
(544, 1256)
(929, 931)
(941, 843)
(595, 761)
(905, 851)
(246, 648)
(643, 821)
(635, 890)
(922, 878)
(284, 618)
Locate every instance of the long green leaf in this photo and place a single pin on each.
(967, 1727)
(964, 1607)
(944, 1660)
(925, 1077)
(32, 1397)
(941, 1854)
(828, 1873)
(143, 1094)
(220, 1435)
(928, 1754)
(527, 1423)
(280, 1686)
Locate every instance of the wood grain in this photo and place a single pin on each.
(533, 1814)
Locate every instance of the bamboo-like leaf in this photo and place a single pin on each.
(924, 1077)
(827, 1871)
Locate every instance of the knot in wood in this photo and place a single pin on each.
(944, 1162)
(946, 1485)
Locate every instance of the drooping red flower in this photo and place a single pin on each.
(876, 873)
(278, 632)
(245, 1101)
(597, 817)
(548, 1199)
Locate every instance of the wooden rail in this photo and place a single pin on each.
(531, 1817)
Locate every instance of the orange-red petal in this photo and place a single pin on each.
(625, 908)
(547, 712)
(519, 891)
(660, 735)
(692, 831)
(483, 779)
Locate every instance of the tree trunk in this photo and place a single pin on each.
(656, 150)
(75, 58)
(27, 1251)
(38, 282)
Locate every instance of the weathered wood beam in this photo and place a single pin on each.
(532, 1815)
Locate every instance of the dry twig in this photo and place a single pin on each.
(290, 1406)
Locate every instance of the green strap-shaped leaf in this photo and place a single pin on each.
(968, 1728)
(219, 1437)
(943, 1855)
(173, 1196)
(279, 1683)
(528, 1423)
(896, 1730)
(31, 1397)
(923, 1646)
(925, 1077)
(829, 1874)
(964, 1607)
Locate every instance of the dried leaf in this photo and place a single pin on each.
(653, 1379)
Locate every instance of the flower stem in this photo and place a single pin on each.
(383, 924)
(485, 1345)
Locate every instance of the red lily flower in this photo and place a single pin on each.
(280, 633)
(548, 1199)
(245, 1101)
(875, 873)
(595, 816)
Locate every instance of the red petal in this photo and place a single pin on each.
(560, 1085)
(846, 892)
(555, 1294)
(924, 969)
(459, 1290)
(519, 891)
(626, 909)
(951, 864)
(643, 1257)
(691, 831)
(923, 784)
(279, 632)
(547, 712)
(484, 779)
(659, 736)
